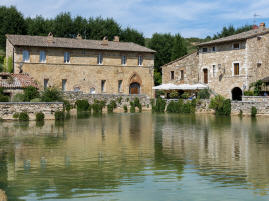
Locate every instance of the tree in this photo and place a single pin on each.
(132, 35)
(63, 26)
(228, 31)
(39, 26)
(179, 47)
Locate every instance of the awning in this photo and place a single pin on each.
(180, 87)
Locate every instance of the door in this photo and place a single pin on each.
(205, 76)
(134, 88)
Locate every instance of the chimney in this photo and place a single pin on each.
(105, 41)
(116, 39)
(262, 25)
(79, 37)
(50, 37)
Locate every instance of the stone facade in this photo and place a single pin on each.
(83, 72)
(8, 109)
(185, 70)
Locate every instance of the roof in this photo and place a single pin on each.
(241, 36)
(187, 55)
(171, 86)
(50, 41)
(17, 81)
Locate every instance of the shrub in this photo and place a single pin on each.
(98, 106)
(36, 100)
(248, 93)
(221, 105)
(67, 105)
(203, 94)
(51, 95)
(59, 115)
(82, 105)
(119, 99)
(172, 107)
(257, 87)
(16, 115)
(140, 107)
(125, 108)
(23, 116)
(136, 102)
(110, 108)
(185, 95)
(159, 105)
(18, 98)
(30, 93)
(113, 104)
(8, 64)
(173, 94)
(39, 116)
(132, 109)
(158, 93)
(4, 98)
(253, 111)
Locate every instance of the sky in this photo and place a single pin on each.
(192, 18)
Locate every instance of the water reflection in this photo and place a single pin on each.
(110, 155)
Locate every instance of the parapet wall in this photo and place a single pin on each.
(7, 109)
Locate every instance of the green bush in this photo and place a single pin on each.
(113, 104)
(257, 87)
(8, 65)
(139, 107)
(98, 106)
(119, 99)
(158, 105)
(67, 105)
(82, 105)
(18, 98)
(132, 108)
(136, 102)
(23, 116)
(173, 94)
(59, 115)
(110, 108)
(51, 95)
(4, 98)
(203, 94)
(36, 100)
(172, 107)
(185, 95)
(158, 93)
(125, 108)
(221, 105)
(248, 93)
(39, 116)
(30, 93)
(16, 115)
(253, 111)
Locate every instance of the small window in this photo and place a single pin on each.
(63, 84)
(100, 59)
(42, 57)
(25, 56)
(172, 75)
(92, 90)
(76, 89)
(123, 60)
(204, 49)
(119, 86)
(236, 68)
(214, 49)
(140, 60)
(214, 70)
(182, 74)
(46, 81)
(236, 46)
(259, 64)
(66, 57)
(103, 86)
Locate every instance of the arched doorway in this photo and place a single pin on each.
(237, 94)
(205, 76)
(134, 88)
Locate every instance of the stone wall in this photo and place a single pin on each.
(256, 98)
(8, 109)
(125, 99)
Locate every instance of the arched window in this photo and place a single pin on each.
(92, 90)
(76, 89)
(237, 94)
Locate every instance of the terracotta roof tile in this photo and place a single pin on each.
(17, 81)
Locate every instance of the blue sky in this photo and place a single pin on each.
(192, 18)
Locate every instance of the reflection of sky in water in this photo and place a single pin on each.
(136, 157)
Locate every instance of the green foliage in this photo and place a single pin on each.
(132, 108)
(181, 107)
(67, 105)
(158, 105)
(257, 87)
(23, 116)
(30, 93)
(157, 77)
(125, 108)
(4, 98)
(110, 108)
(16, 115)
(228, 31)
(249, 93)
(136, 102)
(173, 107)
(39, 116)
(59, 115)
(114, 104)
(185, 95)
(82, 105)
(18, 98)
(36, 100)
(179, 47)
(8, 65)
(132, 35)
(98, 106)
(221, 105)
(173, 94)
(51, 95)
(253, 111)
(203, 94)
(139, 107)
(119, 99)
(158, 93)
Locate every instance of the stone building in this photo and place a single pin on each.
(227, 65)
(90, 66)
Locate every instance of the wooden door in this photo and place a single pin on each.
(205, 76)
(134, 88)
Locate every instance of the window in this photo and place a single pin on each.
(214, 70)
(259, 64)
(236, 68)
(63, 84)
(182, 74)
(214, 49)
(66, 57)
(42, 57)
(103, 86)
(236, 46)
(123, 60)
(76, 89)
(92, 90)
(46, 81)
(100, 59)
(204, 49)
(119, 86)
(25, 56)
(172, 75)
(140, 60)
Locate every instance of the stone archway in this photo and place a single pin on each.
(237, 94)
(135, 83)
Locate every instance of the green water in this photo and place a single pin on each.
(136, 157)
